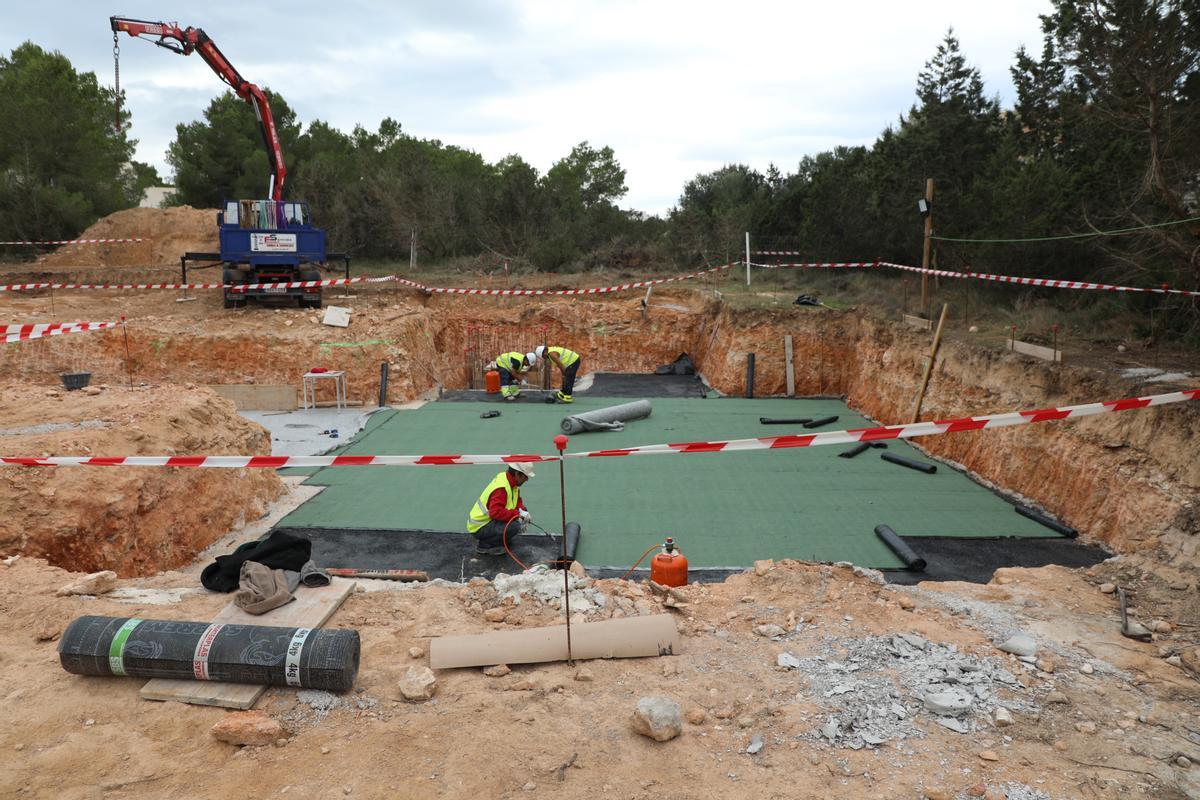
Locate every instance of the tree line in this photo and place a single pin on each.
(1102, 136)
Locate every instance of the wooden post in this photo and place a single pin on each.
(926, 250)
(791, 370)
(937, 340)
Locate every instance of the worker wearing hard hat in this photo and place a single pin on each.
(499, 514)
(512, 368)
(568, 365)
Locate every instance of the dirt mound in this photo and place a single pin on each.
(135, 521)
(167, 234)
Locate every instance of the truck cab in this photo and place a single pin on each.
(269, 241)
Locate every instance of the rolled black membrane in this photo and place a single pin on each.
(928, 469)
(816, 423)
(1065, 530)
(306, 658)
(900, 548)
(784, 421)
(572, 534)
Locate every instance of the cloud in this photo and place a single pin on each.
(674, 88)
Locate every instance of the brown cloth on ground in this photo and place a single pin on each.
(261, 588)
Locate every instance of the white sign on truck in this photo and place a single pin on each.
(273, 242)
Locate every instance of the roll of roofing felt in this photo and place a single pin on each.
(816, 423)
(573, 532)
(856, 450)
(612, 418)
(900, 548)
(1036, 516)
(784, 421)
(919, 466)
(307, 658)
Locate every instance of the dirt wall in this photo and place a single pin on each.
(135, 521)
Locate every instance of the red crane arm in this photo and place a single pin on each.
(185, 41)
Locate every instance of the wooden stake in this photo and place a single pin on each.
(937, 341)
(128, 368)
(790, 369)
(926, 251)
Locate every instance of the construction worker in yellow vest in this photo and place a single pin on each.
(512, 368)
(499, 514)
(568, 364)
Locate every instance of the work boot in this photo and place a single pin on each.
(563, 398)
(489, 551)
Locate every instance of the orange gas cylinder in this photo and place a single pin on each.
(669, 568)
(492, 381)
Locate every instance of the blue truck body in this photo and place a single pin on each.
(267, 241)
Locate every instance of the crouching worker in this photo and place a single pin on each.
(568, 364)
(512, 368)
(499, 514)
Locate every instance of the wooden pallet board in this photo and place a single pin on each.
(312, 608)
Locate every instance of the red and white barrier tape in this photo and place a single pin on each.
(239, 287)
(733, 445)
(77, 241)
(22, 333)
(1048, 282)
(820, 265)
(559, 292)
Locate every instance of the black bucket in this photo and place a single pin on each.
(75, 380)
(306, 658)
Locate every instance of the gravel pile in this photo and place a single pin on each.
(877, 687)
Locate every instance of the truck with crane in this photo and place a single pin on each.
(267, 241)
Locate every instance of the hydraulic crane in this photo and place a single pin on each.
(186, 41)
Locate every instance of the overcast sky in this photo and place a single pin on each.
(675, 88)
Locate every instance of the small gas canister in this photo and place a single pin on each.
(669, 568)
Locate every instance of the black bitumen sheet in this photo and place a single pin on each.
(604, 384)
(450, 556)
(976, 559)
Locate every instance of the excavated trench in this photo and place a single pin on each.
(1127, 480)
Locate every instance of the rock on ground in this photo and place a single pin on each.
(96, 583)
(418, 684)
(248, 728)
(658, 718)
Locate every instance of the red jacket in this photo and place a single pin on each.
(496, 503)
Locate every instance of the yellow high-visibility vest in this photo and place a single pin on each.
(568, 357)
(479, 512)
(513, 362)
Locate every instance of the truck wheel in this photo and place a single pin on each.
(310, 300)
(231, 277)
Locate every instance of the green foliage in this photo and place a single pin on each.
(62, 163)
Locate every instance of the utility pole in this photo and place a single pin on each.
(412, 252)
(747, 258)
(928, 242)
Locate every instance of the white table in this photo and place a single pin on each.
(309, 386)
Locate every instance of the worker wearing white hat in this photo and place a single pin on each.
(499, 514)
(513, 368)
(568, 364)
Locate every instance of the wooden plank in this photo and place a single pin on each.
(791, 370)
(628, 637)
(311, 609)
(919, 322)
(1037, 351)
(258, 397)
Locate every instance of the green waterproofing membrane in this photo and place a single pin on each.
(725, 509)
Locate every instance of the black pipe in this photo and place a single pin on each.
(816, 423)
(771, 421)
(861, 447)
(1053, 525)
(308, 658)
(900, 548)
(573, 532)
(749, 374)
(920, 466)
(383, 376)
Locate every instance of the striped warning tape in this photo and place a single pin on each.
(23, 333)
(1049, 282)
(820, 265)
(561, 292)
(732, 445)
(76, 241)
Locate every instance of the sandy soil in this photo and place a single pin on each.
(1116, 732)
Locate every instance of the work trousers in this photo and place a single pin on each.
(492, 534)
(569, 377)
(509, 385)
